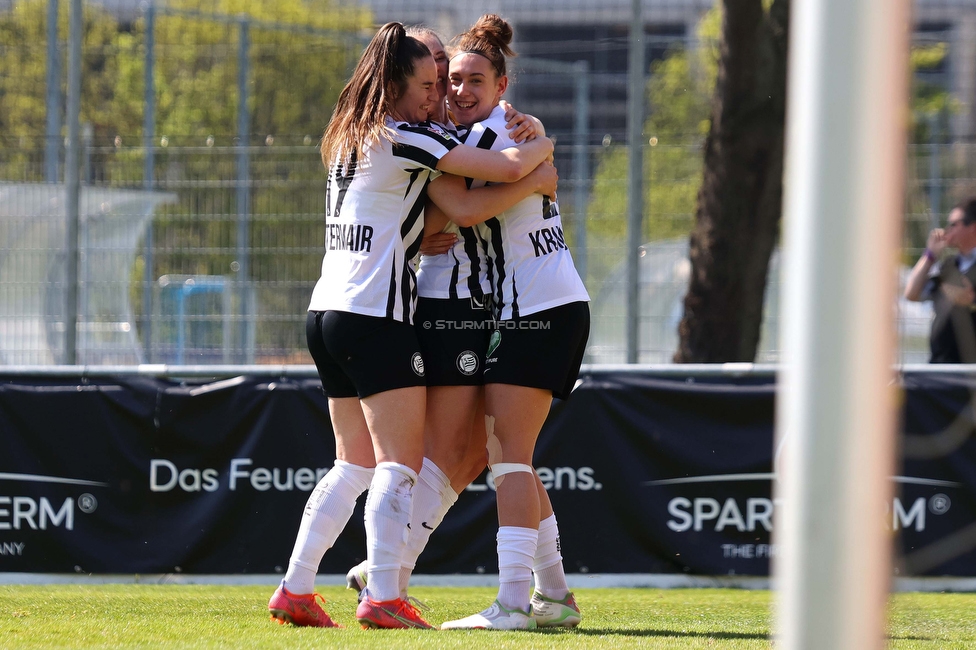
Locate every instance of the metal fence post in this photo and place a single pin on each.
(935, 182)
(149, 172)
(72, 182)
(87, 141)
(52, 98)
(84, 243)
(243, 192)
(581, 160)
(635, 178)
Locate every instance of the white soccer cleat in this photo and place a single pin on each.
(495, 617)
(356, 577)
(555, 613)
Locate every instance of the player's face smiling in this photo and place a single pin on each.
(420, 93)
(474, 88)
(440, 58)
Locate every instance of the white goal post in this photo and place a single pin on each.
(845, 159)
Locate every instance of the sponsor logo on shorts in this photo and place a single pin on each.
(494, 342)
(467, 363)
(417, 363)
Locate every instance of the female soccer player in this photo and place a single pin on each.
(427, 36)
(380, 154)
(534, 353)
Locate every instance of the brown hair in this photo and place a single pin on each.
(419, 31)
(489, 37)
(968, 207)
(358, 120)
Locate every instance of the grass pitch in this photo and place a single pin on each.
(199, 616)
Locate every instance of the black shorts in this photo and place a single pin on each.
(359, 356)
(542, 350)
(453, 337)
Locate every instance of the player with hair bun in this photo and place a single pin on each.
(532, 279)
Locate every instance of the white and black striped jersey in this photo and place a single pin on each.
(461, 272)
(374, 223)
(458, 273)
(529, 267)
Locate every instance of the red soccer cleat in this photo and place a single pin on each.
(390, 614)
(298, 609)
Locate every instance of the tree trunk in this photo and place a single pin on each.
(739, 204)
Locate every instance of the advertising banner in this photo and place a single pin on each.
(646, 475)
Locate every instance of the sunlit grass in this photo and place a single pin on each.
(203, 616)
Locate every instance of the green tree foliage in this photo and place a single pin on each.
(23, 65)
(300, 54)
(295, 77)
(294, 74)
(932, 107)
(929, 99)
(679, 95)
(679, 92)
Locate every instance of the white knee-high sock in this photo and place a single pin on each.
(547, 565)
(516, 548)
(388, 508)
(432, 498)
(326, 513)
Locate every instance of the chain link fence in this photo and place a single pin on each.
(201, 214)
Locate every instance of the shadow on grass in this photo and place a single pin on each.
(613, 631)
(616, 631)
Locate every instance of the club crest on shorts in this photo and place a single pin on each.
(417, 363)
(467, 363)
